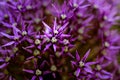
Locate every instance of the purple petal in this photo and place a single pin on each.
(33, 78)
(1, 60)
(6, 35)
(48, 29)
(8, 44)
(114, 47)
(63, 27)
(28, 71)
(77, 56)
(47, 46)
(40, 78)
(69, 54)
(89, 70)
(103, 76)
(55, 25)
(54, 47)
(86, 55)
(3, 65)
(30, 58)
(65, 35)
(77, 72)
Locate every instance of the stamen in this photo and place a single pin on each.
(66, 49)
(55, 32)
(75, 5)
(15, 49)
(53, 68)
(19, 7)
(37, 41)
(81, 30)
(36, 52)
(14, 24)
(65, 41)
(63, 16)
(24, 33)
(38, 72)
(28, 7)
(98, 67)
(106, 44)
(53, 40)
(37, 20)
(81, 64)
(7, 59)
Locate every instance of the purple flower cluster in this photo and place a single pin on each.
(59, 40)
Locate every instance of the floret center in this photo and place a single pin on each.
(38, 72)
(81, 63)
(53, 68)
(53, 40)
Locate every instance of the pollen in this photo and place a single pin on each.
(55, 32)
(53, 40)
(19, 7)
(53, 68)
(7, 59)
(81, 31)
(106, 44)
(14, 24)
(15, 49)
(37, 20)
(28, 7)
(36, 52)
(75, 5)
(57, 54)
(16, 38)
(81, 63)
(66, 49)
(38, 72)
(24, 33)
(65, 41)
(6, 16)
(37, 41)
(98, 67)
(63, 16)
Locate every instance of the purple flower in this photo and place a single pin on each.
(62, 11)
(38, 71)
(5, 58)
(55, 35)
(54, 67)
(81, 66)
(100, 73)
(22, 6)
(78, 3)
(19, 35)
(6, 76)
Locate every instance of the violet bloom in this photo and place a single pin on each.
(19, 35)
(100, 73)
(55, 35)
(78, 4)
(5, 75)
(54, 67)
(62, 11)
(111, 38)
(22, 5)
(5, 58)
(38, 71)
(82, 67)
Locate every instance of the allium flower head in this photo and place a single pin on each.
(34, 48)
